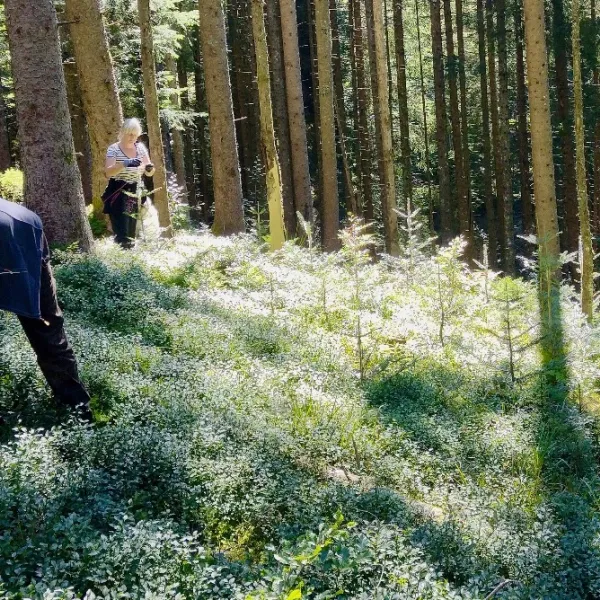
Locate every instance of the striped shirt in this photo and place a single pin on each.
(129, 174)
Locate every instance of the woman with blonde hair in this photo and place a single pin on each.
(126, 161)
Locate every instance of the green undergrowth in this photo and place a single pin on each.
(291, 425)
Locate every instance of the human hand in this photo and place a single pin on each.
(132, 162)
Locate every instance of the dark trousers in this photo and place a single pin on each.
(49, 342)
(124, 229)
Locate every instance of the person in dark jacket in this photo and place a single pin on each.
(28, 289)
(126, 161)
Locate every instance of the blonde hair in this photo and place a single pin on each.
(130, 126)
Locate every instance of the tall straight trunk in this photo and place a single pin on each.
(388, 60)
(280, 114)
(425, 127)
(329, 200)
(98, 84)
(543, 181)
(351, 200)
(52, 180)
(526, 201)
(364, 136)
(403, 102)
(176, 133)
(587, 250)
(441, 122)
(486, 141)
(295, 107)
(160, 196)
(79, 127)
(229, 210)
(267, 131)
(564, 121)
(5, 158)
(383, 124)
(188, 134)
(506, 201)
(596, 76)
(464, 214)
(204, 188)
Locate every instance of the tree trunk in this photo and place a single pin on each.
(295, 107)
(486, 141)
(596, 79)
(101, 103)
(267, 131)
(494, 115)
(52, 180)
(229, 210)
(403, 103)
(280, 114)
(383, 124)
(564, 121)
(5, 158)
(160, 196)
(330, 204)
(79, 127)
(188, 135)
(526, 201)
(543, 181)
(441, 122)
(464, 214)
(587, 250)
(506, 200)
(176, 132)
(364, 136)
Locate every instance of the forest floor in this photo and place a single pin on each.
(291, 425)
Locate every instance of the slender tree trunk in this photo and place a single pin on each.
(52, 180)
(383, 124)
(587, 250)
(403, 102)
(596, 201)
(494, 114)
(79, 127)
(464, 120)
(506, 200)
(486, 141)
(425, 127)
(441, 122)
(99, 92)
(160, 196)
(464, 214)
(280, 114)
(229, 210)
(188, 136)
(352, 204)
(295, 107)
(330, 205)
(5, 158)
(364, 136)
(526, 201)
(270, 159)
(543, 181)
(560, 32)
(176, 132)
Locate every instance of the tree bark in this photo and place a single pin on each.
(176, 133)
(524, 167)
(564, 121)
(587, 250)
(101, 103)
(280, 114)
(5, 157)
(596, 80)
(403, 103)
(160, 196)
(267, 131)
(295, 107)
(330, 201)
(188, 135)
(229, 211)
(383, 124)
(441, 122)
(52, 180)
(486, 141)
(506, 200)
(543, 181)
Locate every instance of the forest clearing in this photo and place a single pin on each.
(298, 299)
